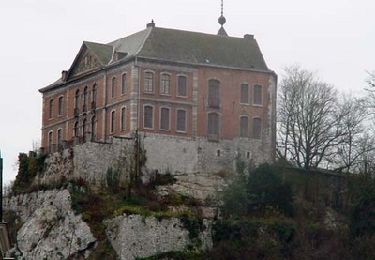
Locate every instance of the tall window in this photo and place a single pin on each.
(84, 122)
(76, 129)
(181, 120)
(244, 93)
(76, 101)
(50, 108)
(123, 119)
(213, 124)
(257, 128)
(59, 137)
(113, 117)
(85, 100)
(149, 82)
(61, 106)
(124, 86)
(50, 140)
(113, 87)
(94, 94)
(244, 126)
(164, 118)
(148, 117)
(213, 93)
(181, 86)
(257, 100)
(165, 83)
(93, 128)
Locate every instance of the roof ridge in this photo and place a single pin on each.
(144, 40)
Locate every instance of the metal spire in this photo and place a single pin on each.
(222, 21)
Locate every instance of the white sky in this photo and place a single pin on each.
(39, 38)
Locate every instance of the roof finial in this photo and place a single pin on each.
(222, 21)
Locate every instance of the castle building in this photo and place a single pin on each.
(211, 90)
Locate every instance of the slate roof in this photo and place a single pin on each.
(183, 47)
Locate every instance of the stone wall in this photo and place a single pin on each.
(50, 228)
(135, 236)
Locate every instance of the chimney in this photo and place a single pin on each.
(64, 75)
(152, 24)
(248, 36)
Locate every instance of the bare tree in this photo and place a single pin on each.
(356, 143)
(309, 121)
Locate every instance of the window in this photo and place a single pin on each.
(257, 95)
(257, 128)
(164, 118)
(113, 115)
(50, 108)
(113, 87)
(213, 93)
(244, 94)
(123, 119)
(181, 86)
(94, 94)
(50, 140)
(84, 122)
(181, 120)
(124, 86)
(59, 137)
(244, 126)
(149, 82)
(93, 128)
(76, 129)
(213, 124)
(148, 117)
(76, 100)
(61, 106)
(85, 100)
(165, 83)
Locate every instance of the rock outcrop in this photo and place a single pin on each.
(50, 228)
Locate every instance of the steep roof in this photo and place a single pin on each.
(183, 47)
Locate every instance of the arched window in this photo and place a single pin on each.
(123, 119)
(84, 123)
(113, 117)
(113, 87)
(165, 82)
(164, 118)
(124, 85)
(257, 95)
(244, 126)
(59, 137)
(213, 124)
(50, 108)
(50, 141)
(181, 86)
(181, 120)
(214, 93)
(61, 106)
(94, 94)
(257, 128)
(76, 102)
(93, 128)
(148, 117)
(149, 82)
(76, 129)
(85, 99)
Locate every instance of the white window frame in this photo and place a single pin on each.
(186, 77)
(186, 120)
(123, 108)
(113, 87)
(62, 107)
(153, 116)
(112, 125)
(50, 132)
(153, 81)
(169, 121)
(248, 132)
(160, 84)
(57, 137)
(248, 93)
(208, 93)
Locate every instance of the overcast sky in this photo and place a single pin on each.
(40, 38)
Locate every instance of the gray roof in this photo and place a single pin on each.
(183, 47)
